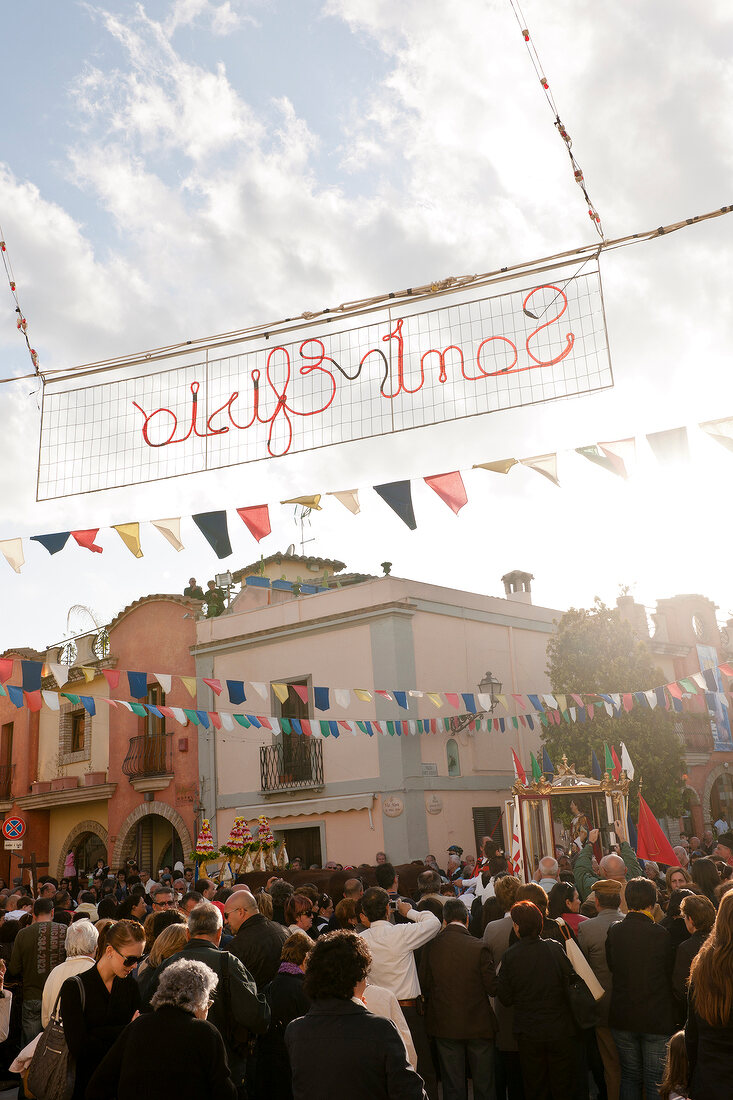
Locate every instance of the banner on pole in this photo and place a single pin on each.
(322, 381)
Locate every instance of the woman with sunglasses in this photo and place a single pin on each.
(299, 914)
(111, 999)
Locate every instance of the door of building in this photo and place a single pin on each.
(304, 843)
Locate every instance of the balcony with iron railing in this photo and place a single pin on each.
(296, 765)
(696, 734)
(149, 757)
(6, 779)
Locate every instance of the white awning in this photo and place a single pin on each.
(329, 805)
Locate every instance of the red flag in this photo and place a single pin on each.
(215, 686)
(86, 539)
(616, 763)
(6, 669)
(112, 676)
(257, 519)
(33, 700)
(450, 488)
(452, 698)
(519, 772)
(652, 843)
(301, 691)
(215, 719)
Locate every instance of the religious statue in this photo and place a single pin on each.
(579, 826)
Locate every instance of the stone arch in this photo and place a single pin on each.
(713, 774)
(162, 809)
(694, 796)
(77, 832)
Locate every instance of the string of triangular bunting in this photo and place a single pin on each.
(618, 457)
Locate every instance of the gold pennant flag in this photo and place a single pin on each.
(189, 682)
(503, 466)
(130, 535)
(89, 673)
(363, 695)
(281, 690)
(313, 502)
(435, 698)
(502, 700)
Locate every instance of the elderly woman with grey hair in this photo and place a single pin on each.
(173, 1051)
(81, 948)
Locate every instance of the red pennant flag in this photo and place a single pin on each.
(591, 711)
(452, 699)
(347, 726)
(652, 843)
(215, 686)
(214, 717)
(727, 670)
(674, 690)
(616, 763)
(376, 726)
(306, 727)
(522, 719)
(112, 676)
(519, 699)
(577, 699)
(163, 710)
(264, 722)
(519, 773)
(257, 519)
(450, 489)
(6, 669)
(86, 539)
(628, 700)
(33, 700)
(301, 691)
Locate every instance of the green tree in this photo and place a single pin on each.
(595, 650)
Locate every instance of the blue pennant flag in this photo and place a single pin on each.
(87, 701)
(203, 718)
(236, 691)
(595, 766)
(138, 682)
(213, 526)
(334, 728)
(52, 543)
(320, 698)
(401, 699)
(547, 767)
(399, 497)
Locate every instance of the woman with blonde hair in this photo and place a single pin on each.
(709, 1029)
(170, 941)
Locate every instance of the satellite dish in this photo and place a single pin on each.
(290, 550)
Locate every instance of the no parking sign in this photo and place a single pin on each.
(13, 828)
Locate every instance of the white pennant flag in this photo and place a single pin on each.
(543, 464)
(13, 551)
(60, 673)
(651, 698)
(516, 857)
(484, 701)
(349, 498)
(616, 699)
(551, 701)
(179, 716)
(125, 705)
(412, 727)
(170, 529)
(722, 698)
(626, 764)
(227, 720)
(572, 713)
(164, 681)
(609, 708)
(51, 699)
(260, 688)
(341, 697)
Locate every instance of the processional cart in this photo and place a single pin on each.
(204, 852)
(562, 809)
(245, 852)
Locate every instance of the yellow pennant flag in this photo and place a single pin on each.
(361, 693)
(281, 690)
(435, 698)
(189, 682)
(562, 702)
(89, 673)
(502, 700)
(313, 501)
(130, 535)
(503, 466)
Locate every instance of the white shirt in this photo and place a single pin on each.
(392, 946)
(383, 1003)
(77, 964)
(721, 826)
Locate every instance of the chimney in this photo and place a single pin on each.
(518, 586)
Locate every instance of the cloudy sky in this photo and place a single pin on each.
(178, 168)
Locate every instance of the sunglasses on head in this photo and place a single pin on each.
(127, 960)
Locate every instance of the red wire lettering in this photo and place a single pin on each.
(570, 337)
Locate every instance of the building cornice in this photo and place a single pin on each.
(98, 793)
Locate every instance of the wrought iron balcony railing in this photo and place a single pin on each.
(297, 764)
(149, 756)
(6, 778)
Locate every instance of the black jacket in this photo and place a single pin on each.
(710, 1056)
(641, 957)
(457, 977)
(258, 945)
(339, 1048)
(165, 1053)
(287, 1002)
(247, 1011)
(90, 1034)
(683, 961)
(533, 978)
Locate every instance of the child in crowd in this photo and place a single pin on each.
(674, 1082)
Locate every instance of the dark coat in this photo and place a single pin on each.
(710, 1056)
(90, 1034)
(533, 977)
(287, 1002)
(683, 961)
(457, 976)
(165, 1053)
(340, 1048)
(640, 956)
(247, 1013)
(258, 945)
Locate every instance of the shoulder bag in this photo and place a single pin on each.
(52, 1073)
(583, 988)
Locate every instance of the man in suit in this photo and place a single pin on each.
(592, 939)
(457, 977)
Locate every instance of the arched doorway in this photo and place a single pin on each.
(155, 836)
(88, 842)
(721, 798)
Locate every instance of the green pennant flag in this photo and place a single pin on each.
(362, 727)
(446, 724)
(609, 759)
(285, 725)
(688, 685)
(192, 716)
(543, 718)
(566, 716)
(325, 729)
(536, 770)
(73, 699)
(390, 727)
(515, 722)
(139, 709)
(244, 721)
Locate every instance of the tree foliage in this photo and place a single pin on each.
(595, 650)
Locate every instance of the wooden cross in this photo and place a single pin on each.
(32, 866)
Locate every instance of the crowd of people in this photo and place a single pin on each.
(601, 977)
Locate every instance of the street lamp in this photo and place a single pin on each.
(490, 686)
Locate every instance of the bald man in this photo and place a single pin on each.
(621, 868)
(257, 941)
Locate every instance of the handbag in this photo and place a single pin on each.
(52, 1073)
(581, 991)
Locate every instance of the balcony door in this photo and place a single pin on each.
(6, 759)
